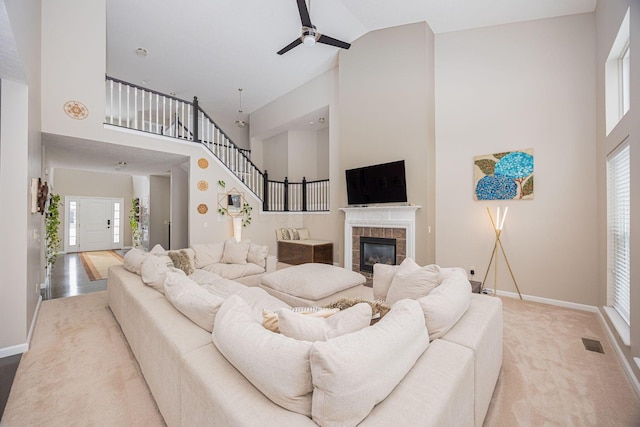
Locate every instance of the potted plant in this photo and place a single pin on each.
(134, 222)
(52, 230)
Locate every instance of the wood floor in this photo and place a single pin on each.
(68, 278)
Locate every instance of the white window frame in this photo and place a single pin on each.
(617, 84)
(618, 239)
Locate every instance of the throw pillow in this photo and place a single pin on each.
(276, 365)
(446, 304)
(378, 307)
(158, 250)
(183, 259)
(283, 234)
(413, 285)
(303, 233)
(293, 233)
(382, 278)
(133, 260)
(270, 318)
(258, 255)
(351, 374)
(154, 271)
(235, 252)
(191, 300)
(207, 254)
(309, 328)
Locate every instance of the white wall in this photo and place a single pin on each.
(303, 158)
(275, 157)
(322, 153)
(386, 114)
(179, 207)
(517, 86)
(21, 154)
(159, 210)
(609, 15)
(14, 148)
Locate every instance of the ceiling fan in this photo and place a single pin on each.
(310, 34)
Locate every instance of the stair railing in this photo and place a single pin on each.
(146, 110)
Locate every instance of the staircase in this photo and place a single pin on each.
(145, 110)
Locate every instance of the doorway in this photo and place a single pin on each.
(93, 223)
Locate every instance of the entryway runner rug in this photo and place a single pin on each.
(97, 263)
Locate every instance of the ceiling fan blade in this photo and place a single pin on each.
(333, 42)
(304, 13)
(290, 46)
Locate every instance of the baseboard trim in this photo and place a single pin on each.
(626, 367)
(559, 303)
(21, 348)
(33, 321)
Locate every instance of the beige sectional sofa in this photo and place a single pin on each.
(451, 382)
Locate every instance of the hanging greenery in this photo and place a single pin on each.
(134, 222)
(223, 208)
(52, 230)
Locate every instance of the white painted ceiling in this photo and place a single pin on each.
(210, 48)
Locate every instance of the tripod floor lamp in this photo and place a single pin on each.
(498, 224)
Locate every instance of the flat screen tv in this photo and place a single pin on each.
(383, 183)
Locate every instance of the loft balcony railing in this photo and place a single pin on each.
(305, 196)
(145, 110)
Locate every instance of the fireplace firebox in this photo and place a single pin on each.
(375, 250)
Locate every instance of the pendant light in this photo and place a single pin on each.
(239, 122)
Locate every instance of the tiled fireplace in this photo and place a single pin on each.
(378, 228)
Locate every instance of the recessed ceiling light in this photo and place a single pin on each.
(311, 123)
(145, 82)
(141, 52)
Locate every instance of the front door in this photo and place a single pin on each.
(93, 224)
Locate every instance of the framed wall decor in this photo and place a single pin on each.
(504, 176)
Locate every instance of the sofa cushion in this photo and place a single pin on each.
(154, 271)
(412, 281)
(353, 373)
(303, 233)
(192, 300)
(260, 300)
(258, 255)
(270, 317)
(235, 252)
(183, 259)
(310, 328)
(207, 254)
(234, 271)
(276, 365)
(382, 277)
(446, 304)
(133, 260)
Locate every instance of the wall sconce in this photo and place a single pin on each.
(498, 226)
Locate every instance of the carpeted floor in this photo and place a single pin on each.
(80, 371)
(97, 263)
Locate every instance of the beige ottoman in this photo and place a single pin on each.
(315, 284)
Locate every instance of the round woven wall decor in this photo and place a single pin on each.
(203, 163)
(203, 185)
(76, 110)
(203, 208)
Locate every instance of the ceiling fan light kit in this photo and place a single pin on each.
(310, 35)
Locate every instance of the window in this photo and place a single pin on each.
(617, 77)
(625, 89)
(618, 232)
(116, 222)
(73, 226)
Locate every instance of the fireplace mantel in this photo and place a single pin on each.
(379, 216)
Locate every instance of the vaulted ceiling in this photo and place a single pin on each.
(210, 48)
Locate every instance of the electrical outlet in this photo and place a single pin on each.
(472, 270)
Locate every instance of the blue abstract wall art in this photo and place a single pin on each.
(504, 176)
